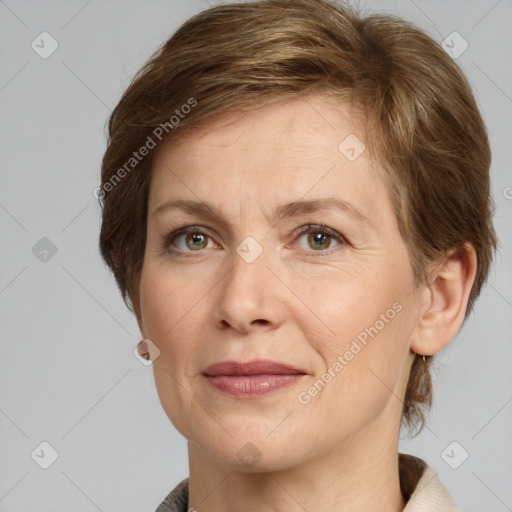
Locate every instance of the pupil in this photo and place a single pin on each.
(320, 240)
(196, 241)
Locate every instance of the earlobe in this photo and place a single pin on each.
(445, 301)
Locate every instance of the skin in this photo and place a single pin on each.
(300, 302)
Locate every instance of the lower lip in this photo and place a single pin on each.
(248, 386)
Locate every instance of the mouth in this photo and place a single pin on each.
(253, 378)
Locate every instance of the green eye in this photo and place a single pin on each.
(313, 238)
(189, 239)
(196, 241)
(319, 238)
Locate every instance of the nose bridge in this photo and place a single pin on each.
(249, 262)
(248, 277)
(248, 294)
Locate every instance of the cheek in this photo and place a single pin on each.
(375, 359)
(161, 311)
(362, 332)
(156, 307)
(165, 299)
(167, 318)
(342, 306)
(173, 311)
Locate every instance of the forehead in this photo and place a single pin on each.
(315, 123)
(279, 152)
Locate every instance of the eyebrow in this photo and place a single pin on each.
(292, 209)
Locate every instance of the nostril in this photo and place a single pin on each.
(261, 321)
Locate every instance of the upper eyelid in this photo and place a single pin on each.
(331, 231)
(185, 230)
(340, 238)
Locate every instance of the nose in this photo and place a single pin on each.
(249, 297)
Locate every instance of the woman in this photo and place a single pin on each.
(296, 206)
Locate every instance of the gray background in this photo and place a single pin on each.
(67, 372)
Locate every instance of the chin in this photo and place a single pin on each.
(252, 453)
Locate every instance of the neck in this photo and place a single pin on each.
(360, 475)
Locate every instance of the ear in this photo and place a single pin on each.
(444, 301)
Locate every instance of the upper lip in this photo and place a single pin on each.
(255, 367)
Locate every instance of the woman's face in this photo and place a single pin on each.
(291, 255)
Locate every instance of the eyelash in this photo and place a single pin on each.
(310, 228)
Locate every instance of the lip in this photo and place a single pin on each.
(253, 378)
(254, 367)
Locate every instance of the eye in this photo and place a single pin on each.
(319, 238)
(189, 239)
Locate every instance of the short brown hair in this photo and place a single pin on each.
(426, 128)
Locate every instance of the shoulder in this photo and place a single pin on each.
(176, 500)
(422, 488)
